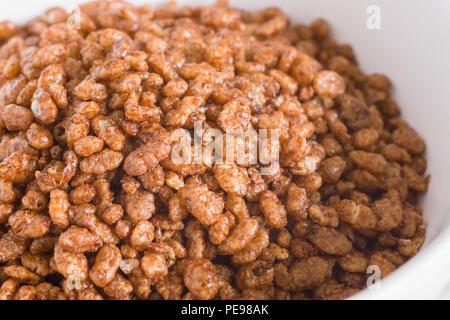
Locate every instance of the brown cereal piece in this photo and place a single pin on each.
(107, 262)
(253, 249)
(320, 28)
(358, 215)
(18, 168)
(273, 210)
(104, 196)
(330, 241)
(406, 137)
(410, 223)
(236, 205)
(11, 67)
(372, 162)
(59, 95)
(107, 129)
(278, 252)
(414, 180)
(239, 237)
(145, 158)
(153, 180)
(254, 275)
(90, 90)
(354, 112)
(177, 209)
(310, 183)
(6, 210)
(364, 181)
(337, 127)
(8, 193)
(355, 261)
(410, 247)
(331, 169)
(71, 265)
(142, 235)
(200, 277)
(305, 69)
(388, 212)
(25, 292)
(297, 202)
(8, 29)
(138, 113)
(52, 75)
(174, 180)
(203, 204)
(232, 178)
(123, 228)
(101, 162)
(16, 117)
(170, 287)
(392, 152)
(307, 274)
(154, 265)
(301, 249)
(284, 238)
(329, 84)
(365, 138)
(88, 145)
(112, 214)
(385, 266)
(324, 216)
(274, 121)
(195, 235)
(29, 224)
(379, 82)
(34, 200)
(43, 244)
(46, 291)
(355, 281)
(89, 294)
(119, 288)
(140, 205)
(59, 208)
(82, 194)
(185, 108)
(313, 109)
(79, 240)
(140, 283)
(39, 137)
(43, 107)
(219, 230)
(36, 263)
(57, 174)
(83, 215)
(8, 289)
(288, 84)
(22, 274)
(89, 109)
(175, 88)
(332, 290)
(257, 185)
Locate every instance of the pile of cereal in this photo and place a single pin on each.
(93, 205)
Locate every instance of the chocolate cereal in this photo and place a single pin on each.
(95, 205)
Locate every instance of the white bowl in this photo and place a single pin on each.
(413, 49)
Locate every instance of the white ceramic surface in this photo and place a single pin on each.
(413, 48)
